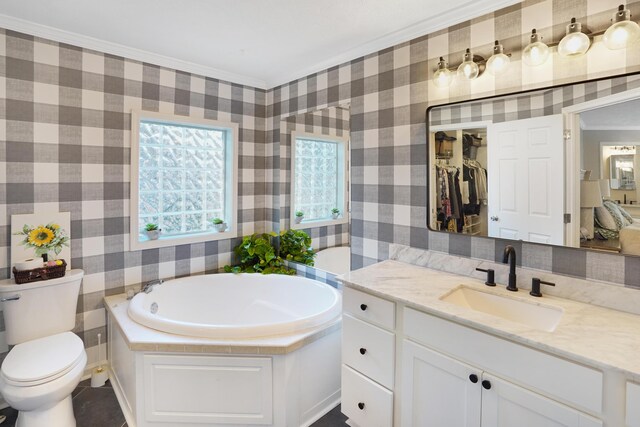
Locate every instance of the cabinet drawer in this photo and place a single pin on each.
(368, 307)
(378, 347)
(569, 382)
(633, 405)
(366, 403)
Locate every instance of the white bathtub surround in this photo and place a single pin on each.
(604, 294)
(335, 260)
(285, 380)
(579, 372)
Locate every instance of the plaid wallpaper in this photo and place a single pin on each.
(389, 92)
(332, 121)
(64, 135)
(64, 144)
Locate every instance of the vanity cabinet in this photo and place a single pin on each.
(440, 391)
(633, 405)
(368, 359)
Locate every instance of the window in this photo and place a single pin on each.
(319, 179)
(183, 174)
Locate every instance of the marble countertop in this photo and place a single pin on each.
(599, 337)
(141, 338)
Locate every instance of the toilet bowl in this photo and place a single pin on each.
(48, 360)
(37, 378)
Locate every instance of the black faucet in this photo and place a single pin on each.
(510, 257)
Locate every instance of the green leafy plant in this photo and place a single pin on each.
(295, 245)
(335, 211)
(217, 221)
(258, 255)
(151, 227)
(299, 214)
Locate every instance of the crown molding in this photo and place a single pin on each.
(86, 42)
(469, 10)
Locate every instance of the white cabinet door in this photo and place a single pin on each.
(507, 405)
(438, 391)
(525, 184)
(633, 405)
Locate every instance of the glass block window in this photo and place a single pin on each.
(319, 177)
(184, 177)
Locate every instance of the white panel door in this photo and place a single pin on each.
(526, 179)
(438, 391)
(507, 405)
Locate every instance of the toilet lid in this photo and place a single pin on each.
(42, 359)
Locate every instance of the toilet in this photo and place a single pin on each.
(47, 360)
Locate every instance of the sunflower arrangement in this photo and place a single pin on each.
(44, 238)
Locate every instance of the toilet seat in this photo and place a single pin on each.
(42, 360)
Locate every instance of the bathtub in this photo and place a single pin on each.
(223, 306)
(226, 350)
(334, 260)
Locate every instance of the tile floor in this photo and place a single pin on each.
(98, 407)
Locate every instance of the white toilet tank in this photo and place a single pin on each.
(44, 308)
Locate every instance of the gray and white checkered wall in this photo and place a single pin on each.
(65, 137)
(332, 121)
(389, 92)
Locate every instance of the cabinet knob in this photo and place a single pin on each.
(363, 351)
(473, 378)
(361, 405)
(486, 384)
(363, 307)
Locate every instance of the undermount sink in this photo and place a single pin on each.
(539, 316)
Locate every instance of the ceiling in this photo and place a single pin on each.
(622, 116)
(261, 43)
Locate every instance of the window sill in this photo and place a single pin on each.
(318, 223)
(185, 239)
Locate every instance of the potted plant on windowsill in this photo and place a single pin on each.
(299, 217)
(335, 213)
(152, 230)
(219, 225)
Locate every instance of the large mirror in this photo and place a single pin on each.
(314, 183)
(553, 166)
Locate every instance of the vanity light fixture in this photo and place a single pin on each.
(499, 62)
(443, 77)
(575, 43)
(536, 52)
(468, 69)
(623, 32)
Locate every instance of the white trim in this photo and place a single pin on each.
(572, 185)
(343, 191)
(103, 46)
(231, 190)
(609, 127)
(470, 9)
(467, 11)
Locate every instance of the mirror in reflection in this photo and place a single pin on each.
(527, 167)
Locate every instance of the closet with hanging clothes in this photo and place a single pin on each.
(459, 180)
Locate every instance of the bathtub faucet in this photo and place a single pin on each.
(149, 286)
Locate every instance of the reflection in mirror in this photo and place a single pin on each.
(314, 189)
(506, 167)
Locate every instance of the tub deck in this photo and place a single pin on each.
(142, 338)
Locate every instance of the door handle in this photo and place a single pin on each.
(495, 218)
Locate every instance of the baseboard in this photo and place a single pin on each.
(324, 408)
(117, 389)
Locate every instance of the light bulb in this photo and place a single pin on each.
(443, 76)
(468, 69)
(623, 32)
(536, 53)
(499, 62)
(575, 43)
